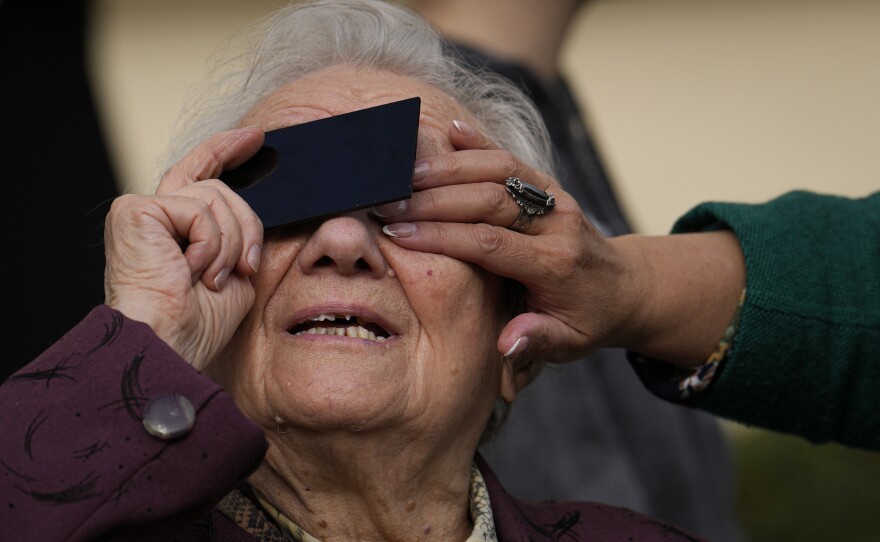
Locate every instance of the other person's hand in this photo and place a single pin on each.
(668, 297)
(462, 209)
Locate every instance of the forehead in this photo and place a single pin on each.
(342, 89)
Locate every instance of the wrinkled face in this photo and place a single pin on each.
(350, 332)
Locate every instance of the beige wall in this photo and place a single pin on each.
(689, 99)
(737, 99)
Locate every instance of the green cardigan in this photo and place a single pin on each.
(806, 356)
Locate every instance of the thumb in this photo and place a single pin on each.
(209, 159)
(544, 337)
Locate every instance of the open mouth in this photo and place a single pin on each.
(342, 325)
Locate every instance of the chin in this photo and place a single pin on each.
(337, 401)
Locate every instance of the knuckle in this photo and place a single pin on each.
(566, 258)
(125, 207)
(497, 200)
(122, 203)
(215, 184)
(429, 199)
(450, 166)
(572, 219)
(508, 163)
(202, 206)
(209, 192)
(203, 163)
(250, 221)
(490, 240)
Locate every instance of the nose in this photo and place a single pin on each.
(345, 245)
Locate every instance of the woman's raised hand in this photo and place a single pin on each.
(180, 259)
(580, 287)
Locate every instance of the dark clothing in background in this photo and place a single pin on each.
(57, 179)
(589, 430)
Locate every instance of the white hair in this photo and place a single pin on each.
(305, 37)
(308, 36)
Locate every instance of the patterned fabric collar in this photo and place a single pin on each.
(266, 523)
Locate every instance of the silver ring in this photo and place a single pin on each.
(522, 221)
(532, 201)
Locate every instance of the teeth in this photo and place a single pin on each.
(333, 317)
(322, 317)
(358, 332)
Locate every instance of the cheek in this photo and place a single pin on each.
(239, 368)
(457, 308)
(237, 373)
(275, 262)
(440, 295)
(278, 253)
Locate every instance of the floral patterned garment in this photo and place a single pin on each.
(266, 523)
(681, 384)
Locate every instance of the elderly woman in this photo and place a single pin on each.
(351, 379)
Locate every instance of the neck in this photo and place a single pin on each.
(530, 32)
(358, 487)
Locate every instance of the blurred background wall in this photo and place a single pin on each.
(688, 100)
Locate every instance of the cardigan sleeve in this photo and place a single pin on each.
(806, 357)
(77, 461)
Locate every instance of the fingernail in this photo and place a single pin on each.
(221, 277)
(518, 347)
(401, 229)
(389, 210)
(421, 170)
(253, 257)
(463, 127)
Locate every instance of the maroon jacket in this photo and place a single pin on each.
(76, 462)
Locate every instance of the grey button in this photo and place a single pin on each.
(169, 416)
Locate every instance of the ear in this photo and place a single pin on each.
(514, 377)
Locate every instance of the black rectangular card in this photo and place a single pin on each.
(330, 166)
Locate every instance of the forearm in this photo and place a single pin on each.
(804, 357)
(689, 285)
(77, 460)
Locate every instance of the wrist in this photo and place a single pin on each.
(159, 322)
(686, 289)
(636, 293)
